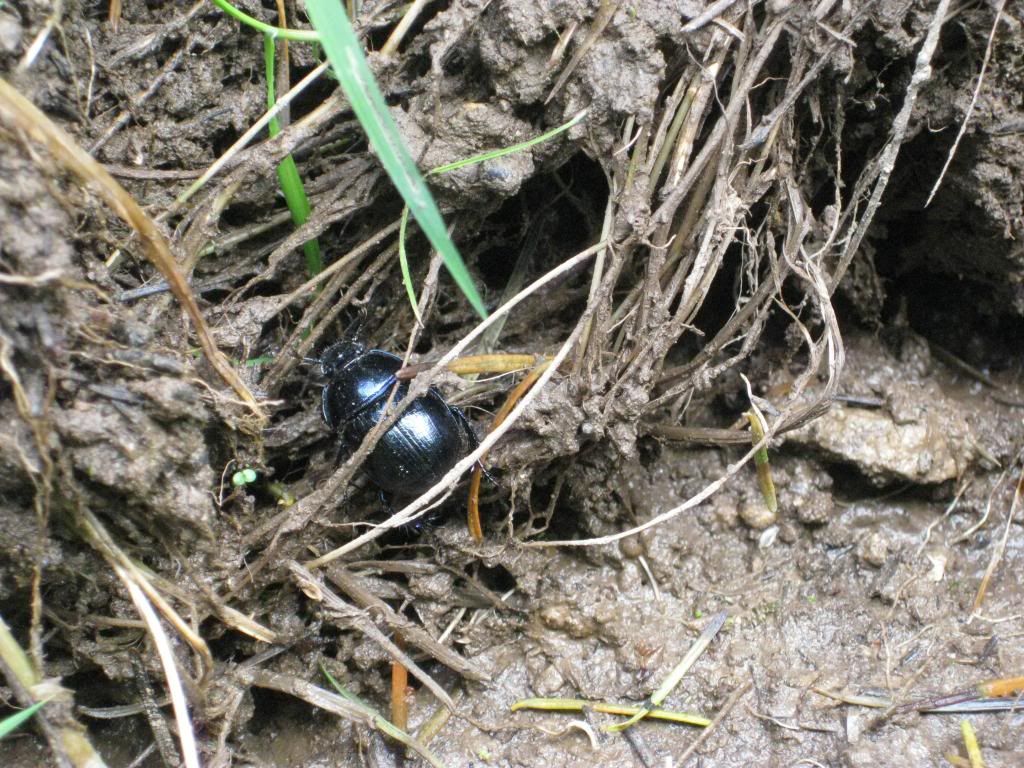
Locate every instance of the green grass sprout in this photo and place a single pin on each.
(298, 35)
(696, 650)
(382, 724)
(483, 157)
(579, 705)
(334, 31)
(764, 472)
(287, 171)
(403, 262)
(493, 154)
(244, 477)
(11, 723)
(343, 50)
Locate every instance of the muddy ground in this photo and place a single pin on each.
(781, 237)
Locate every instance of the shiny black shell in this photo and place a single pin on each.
(427, 440)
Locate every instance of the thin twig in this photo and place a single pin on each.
(997, 553)
(708, 15)
(734, 697)
(887, 159)
(186, 735)
(355, 588)
(315, 589)
(970, 107)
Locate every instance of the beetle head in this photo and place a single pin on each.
(338, 355)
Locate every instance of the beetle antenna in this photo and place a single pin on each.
(355, 326)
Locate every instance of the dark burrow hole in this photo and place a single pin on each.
(554, 216)
(956, 315)
(272, 707)
(94, 689)
(849, 483)
(565, 520)
(498, 579)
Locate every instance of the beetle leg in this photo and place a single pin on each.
(474, 441)
(488, 475)
(343, 450)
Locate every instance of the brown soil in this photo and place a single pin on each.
(895, 475)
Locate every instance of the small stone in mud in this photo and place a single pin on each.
(10, 35)
(925, 438)
(873, 549)
(632, 547)
(814, 508)
(549, 682)
(787, 532)
(725, 512)
(756, 515)
(564, 618)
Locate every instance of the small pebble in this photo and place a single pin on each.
(725, 511)
(631, 547)
(787, 532)
(550, 681)
(813, 508)
(756, 515)
(10, 35)
(873, 550)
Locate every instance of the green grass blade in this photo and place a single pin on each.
(11, 723)
(492, 154)
(382, 724)
(343, 50)
(298, 204)
(403, 262)
(299, 35)
(496, 153)
(287, 172)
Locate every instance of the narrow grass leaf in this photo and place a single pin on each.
(492, 154)
(696, 650)
(299, 35)
(764, 470)
(403, 262)
(11, 723)
(384, 725)
(611, 708)
(971, 744)
(343, 50)
(287, 171)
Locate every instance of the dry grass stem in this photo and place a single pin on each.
(186, 735)
(730, 703)
(997, 553)
(359, 592)
(974, 100)
(97, 535)
(314, 588)
(21, 114)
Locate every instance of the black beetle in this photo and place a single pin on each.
(428, 439)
